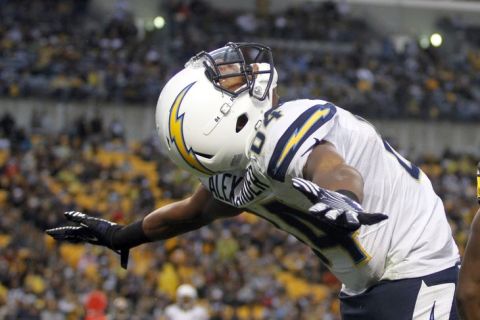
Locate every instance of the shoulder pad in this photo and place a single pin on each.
(283, 134)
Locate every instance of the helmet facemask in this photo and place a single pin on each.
(233, 69)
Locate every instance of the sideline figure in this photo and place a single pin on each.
(186, 307)
(469, 281)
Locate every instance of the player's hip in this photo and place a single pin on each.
(427, 297)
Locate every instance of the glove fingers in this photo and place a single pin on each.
(349, 220)
(319, 208)
(339, 221)
(69, 233)
(308, 188)
(371, 218)
(75, 216)
(72, 234)
(346, 220)
(84, 220)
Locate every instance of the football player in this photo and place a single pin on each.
(469, 280)
(309, 167)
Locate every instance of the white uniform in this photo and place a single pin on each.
(415, 241)
(174, 312)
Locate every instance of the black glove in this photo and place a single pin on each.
(92, 230)
(335, 209)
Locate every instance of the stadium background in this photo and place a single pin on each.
(78, 86)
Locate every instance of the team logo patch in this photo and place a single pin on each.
(175, 130)
(295, 135)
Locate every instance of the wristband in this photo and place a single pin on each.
(349, 194)
(129, 236)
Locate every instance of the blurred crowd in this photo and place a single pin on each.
(51, 49)
(66, 50)
(243, 268)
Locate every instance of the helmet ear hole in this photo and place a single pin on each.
(241, 122)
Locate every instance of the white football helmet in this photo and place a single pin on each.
(186, 290)
(186, 296)
(208, 112)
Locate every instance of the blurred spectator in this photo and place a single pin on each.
(186, 307)
(95, 305)
(120, 310)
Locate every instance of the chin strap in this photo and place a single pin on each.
(222, 112)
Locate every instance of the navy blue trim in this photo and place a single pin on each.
(332, 238)
(394, 299)
(316, 143)
(288, 216)
(411, 169)
(278, 170)
(432, 312)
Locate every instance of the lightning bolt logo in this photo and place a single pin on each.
(300, 132)
(175, 130)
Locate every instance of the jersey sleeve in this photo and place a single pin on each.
(287, 152)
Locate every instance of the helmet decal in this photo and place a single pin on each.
(175, 130)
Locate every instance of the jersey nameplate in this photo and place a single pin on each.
(237, 190)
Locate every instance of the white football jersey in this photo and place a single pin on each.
(414, 241)
(174, 312)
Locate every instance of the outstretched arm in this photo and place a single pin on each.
(163, 223)
(189, 214)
